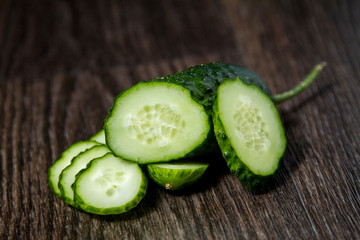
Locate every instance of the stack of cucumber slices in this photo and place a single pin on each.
(164, 126)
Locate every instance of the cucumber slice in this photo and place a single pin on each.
(249, 131)
(176, 175)
(156, 122)
(64, 161)
(67, 176)
(99, 137)
(109, 185)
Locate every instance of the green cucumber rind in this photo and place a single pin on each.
(54, 186)
(81, 204)
(207, 145)
(254, 182)
(175, 177)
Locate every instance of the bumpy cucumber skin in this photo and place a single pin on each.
(175, 179)
(54, 186)
(82, 205)
(208, 145)
(254, 182)
(203, 80)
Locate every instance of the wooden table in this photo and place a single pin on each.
(63, 62)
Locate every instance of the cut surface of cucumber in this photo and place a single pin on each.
(67, 176)
(156, 122)
(65, 160)
(109, 185)
(99, 137)
(176, 175)
(249, 130)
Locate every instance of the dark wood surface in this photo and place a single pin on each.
(63, 62)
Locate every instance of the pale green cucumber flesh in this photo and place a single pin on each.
(67, 176)
(99, 137)
(109, 185)
(65, 160)
(156, 122)
(176, 175)
(249, 131)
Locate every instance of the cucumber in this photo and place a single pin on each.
(176, 175)
(156, 122)
(67, 176)
(64, 161)
(249, 131)
(109, 185)
(99, 137)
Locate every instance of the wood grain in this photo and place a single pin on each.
(63, 62)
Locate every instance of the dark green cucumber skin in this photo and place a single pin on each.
(203, 80)
(254, 182)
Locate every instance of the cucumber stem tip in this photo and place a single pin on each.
(282, 97)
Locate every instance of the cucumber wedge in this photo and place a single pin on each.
(64, 161)
(249, 131)
(156, 122)
(176, 175)
(99, 137)
(67, 176)
(109, 185)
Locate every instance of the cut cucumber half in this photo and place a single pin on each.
(64, 161)
(99, 137)
(109, 185)
(249, 132)
(156, 122)
(176, 175)
(67, 176)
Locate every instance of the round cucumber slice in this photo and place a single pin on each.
(109, 185)
(64, 161)
(99, 137)
(249, 132)
(176, 175)
(156, 122)
(67, 176)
